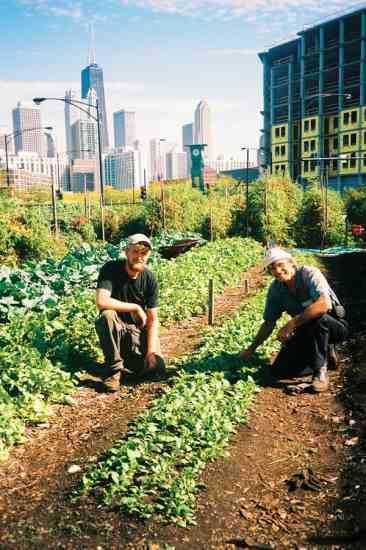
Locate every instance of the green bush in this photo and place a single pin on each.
(355, 200)
(274, 203)
(321, 219)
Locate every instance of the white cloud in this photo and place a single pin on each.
(229, 9)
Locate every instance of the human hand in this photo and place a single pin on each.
(150, 360)
(140, 317)
(286, 332)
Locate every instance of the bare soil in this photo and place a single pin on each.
(248, 502)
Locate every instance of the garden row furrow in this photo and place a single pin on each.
(41, 356)
(155, 469)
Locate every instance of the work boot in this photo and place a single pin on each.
(112, 383)
(320, 380)
(332, 357)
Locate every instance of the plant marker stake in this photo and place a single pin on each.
(211, 223)
(211, 305)
(246, 286)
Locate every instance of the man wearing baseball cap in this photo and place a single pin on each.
(317, 320)
(128, 325)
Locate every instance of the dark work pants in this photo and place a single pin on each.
(123, 345)
(309, 346)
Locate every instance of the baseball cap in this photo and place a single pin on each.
(274, 254)
(139, 238)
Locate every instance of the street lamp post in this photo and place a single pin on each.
(12, 135)
(160, 179)
(80, 105)
(246, 191)
(247, 149)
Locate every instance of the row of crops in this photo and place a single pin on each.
(155, 469)
(47, 332)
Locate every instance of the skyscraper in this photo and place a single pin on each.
(158, 151)
(83, 139)
(188, 139)
(26, 117)
(49, 145)
(72, 114)
(92, 77)
(202, 127)
(124, 128)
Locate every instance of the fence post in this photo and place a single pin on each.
(211, 304)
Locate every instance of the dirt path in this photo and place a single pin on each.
(35, 477)
(247, 503)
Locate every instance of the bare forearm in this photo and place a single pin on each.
(153, 345)
(264, 332)
(117, 305)
(315, 310)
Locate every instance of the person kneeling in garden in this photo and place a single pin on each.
(317, 320)
(128, 325)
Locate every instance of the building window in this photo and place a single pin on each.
(312, 166)
(277, 132)
(335, 164)
(283, 131)
(306, 126)
(335, 123)
(346, 118)
(364, 160)
(352, 163)
(364, 138)
(313, 124)
(345, 140)
(306, 166)
(283, 168)
(277, 151)
(283, 150)
(353, 139)
(335, 143)
(326, 125)
(312, 145)
(353, 117)
(306, 146)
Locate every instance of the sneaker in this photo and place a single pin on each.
(332, 357)
(320, 382)
(112, 383)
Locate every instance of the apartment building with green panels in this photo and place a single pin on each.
(314, 103)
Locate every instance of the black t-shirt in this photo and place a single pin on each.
(142, 291)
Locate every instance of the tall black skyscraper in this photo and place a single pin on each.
(92, 77)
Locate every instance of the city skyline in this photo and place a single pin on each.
(163, 85)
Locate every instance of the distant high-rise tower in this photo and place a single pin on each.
(92, 77)
(72, 114)
(124, 128)
(26, 117)
(202, 127)
(49, 145)
(188, 139)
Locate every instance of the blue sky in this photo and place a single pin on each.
(160, 57)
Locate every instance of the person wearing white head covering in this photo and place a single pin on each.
(308, 338)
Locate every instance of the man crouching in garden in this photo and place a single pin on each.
(128, 325)
(317, 321)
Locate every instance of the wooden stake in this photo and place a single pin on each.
(211, 304)
(246, 286)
